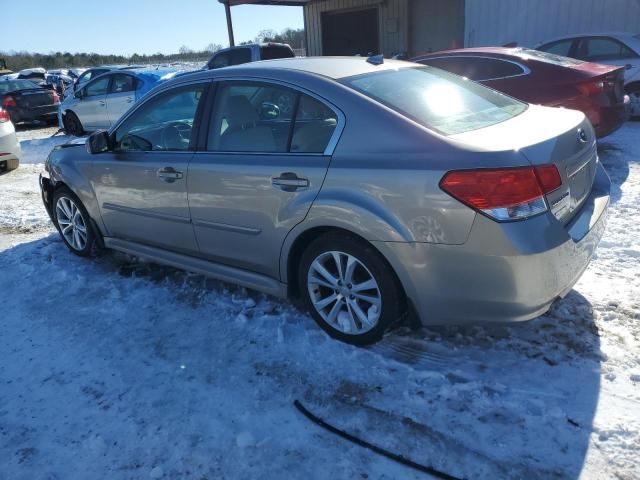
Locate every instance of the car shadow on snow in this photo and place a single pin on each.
(492, 401)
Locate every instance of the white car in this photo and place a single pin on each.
(9, 144)
(622, 49)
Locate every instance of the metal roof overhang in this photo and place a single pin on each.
(294, 3)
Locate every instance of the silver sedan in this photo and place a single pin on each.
(370, 190)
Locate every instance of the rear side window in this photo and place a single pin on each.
(261, 117)
(240, 56)
(476, 68)
(271, 52)
(603, 49)
(437, 99)
(123, 83)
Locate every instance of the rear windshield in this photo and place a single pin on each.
(437, 99)
(526, 53)
(271, 52)
(13, 85)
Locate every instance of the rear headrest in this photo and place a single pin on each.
(239, 112)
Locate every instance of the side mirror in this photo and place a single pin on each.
(269, 111)
(99, 142)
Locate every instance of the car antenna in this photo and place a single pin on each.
(375, 59)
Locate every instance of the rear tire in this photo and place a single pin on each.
(349, 289)
(72, 125)
(74, 223)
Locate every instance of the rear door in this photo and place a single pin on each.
(266, 155)
(91, 108)
(141, 185)
(121, 95)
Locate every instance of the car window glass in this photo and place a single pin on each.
(220, 60)
(562, 48)
(164, 123)
(85, 77)
(123, 83)
(271, 52)
(240, 55)
(97, 87)
(251, 118)
(314, 126)
(477, 69)
(602, 49)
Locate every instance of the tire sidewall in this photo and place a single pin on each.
(91, 236)
(390, 291)
(72, 124)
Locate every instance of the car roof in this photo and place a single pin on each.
(626, 37)
(332, 67)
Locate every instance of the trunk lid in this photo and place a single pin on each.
(33, 98)
(546, 136)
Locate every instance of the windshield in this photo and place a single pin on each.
(526, 53)
(13, 85)
(437, 99)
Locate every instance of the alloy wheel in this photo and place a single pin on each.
(344, 292)
(72, 225)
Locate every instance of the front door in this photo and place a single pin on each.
(92, 107)
(141, 185)
(266, 158)
(121, 96)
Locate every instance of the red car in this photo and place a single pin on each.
(545, 79)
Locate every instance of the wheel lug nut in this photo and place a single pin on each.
(352, 297)
(349, 286)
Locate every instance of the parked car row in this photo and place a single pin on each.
(370, 189)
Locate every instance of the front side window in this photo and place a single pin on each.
(123, 83)
(562, 47)
(266, 118)
(240, 56)
(164, 123)
(436, 99)
(97, 87)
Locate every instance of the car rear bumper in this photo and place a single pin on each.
(25, 115)
(505, 271)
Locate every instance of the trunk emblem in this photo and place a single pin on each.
(582, 135)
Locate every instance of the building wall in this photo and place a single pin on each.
(435, 25)
(392, 15)
(529, 22)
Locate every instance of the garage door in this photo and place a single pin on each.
(350, 33)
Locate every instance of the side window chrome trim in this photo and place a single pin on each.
(335, 136)
(525, 70)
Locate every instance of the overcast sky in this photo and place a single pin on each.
(132, 26)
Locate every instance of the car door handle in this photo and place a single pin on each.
(289, 182)
(102, 103)
(169, 174)
(129, 99)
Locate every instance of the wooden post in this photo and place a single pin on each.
(227, 10)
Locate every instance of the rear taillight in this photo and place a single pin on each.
(9, 102)
(55, 97)
(591, 87)
(504, 193)
(4, 116)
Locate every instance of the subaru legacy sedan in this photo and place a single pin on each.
(373, 192)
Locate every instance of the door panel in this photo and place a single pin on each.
(92, 107)
(121, 96)
(240, 215)
(141, 203)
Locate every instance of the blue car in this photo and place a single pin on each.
(104, 99)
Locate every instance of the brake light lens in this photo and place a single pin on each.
(55, 97)
(503, 193)
(591, 88)
(9, 102)
(4, 116)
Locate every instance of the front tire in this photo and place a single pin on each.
(73, 223)
(349, 288)
(72, 125)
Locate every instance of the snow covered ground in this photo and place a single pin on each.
(112, 368)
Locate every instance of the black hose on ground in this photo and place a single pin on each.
(379, 450)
